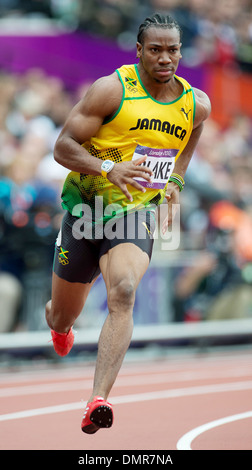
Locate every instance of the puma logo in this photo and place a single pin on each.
(149, 232)
(186, 113)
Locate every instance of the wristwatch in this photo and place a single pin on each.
(106, 167)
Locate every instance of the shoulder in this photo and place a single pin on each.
(103, 96)
(110, 83)
(203, 106)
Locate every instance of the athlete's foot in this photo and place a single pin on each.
(62, 342)
(98, 414)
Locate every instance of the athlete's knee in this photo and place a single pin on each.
(54, 318)
(121, 295)
(48, 314)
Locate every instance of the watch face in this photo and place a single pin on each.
(107, 165)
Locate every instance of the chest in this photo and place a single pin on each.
(145, 117)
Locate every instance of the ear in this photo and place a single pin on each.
(180, 56)
(139, 50)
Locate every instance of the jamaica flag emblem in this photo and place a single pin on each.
(131, 84)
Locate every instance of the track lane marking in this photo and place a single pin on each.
(133, 398)
(184, 443)
(123, 381)
(173, 364)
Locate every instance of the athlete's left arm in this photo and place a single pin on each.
(202, 111)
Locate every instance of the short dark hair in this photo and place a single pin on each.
(158, 21)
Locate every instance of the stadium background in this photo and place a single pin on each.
(50, 51)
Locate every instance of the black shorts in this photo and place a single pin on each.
(77, 258)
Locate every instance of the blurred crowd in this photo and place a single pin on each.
(32, 111)
(216, 209)
(219, 31)
(216, 221)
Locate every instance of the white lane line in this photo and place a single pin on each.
(134, 398)
(123, 381)
(185, 441)
(46, 388)
(173, 364)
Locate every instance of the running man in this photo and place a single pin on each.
(132, 132)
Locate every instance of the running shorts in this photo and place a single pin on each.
(76, 258)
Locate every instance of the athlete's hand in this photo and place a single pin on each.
(172, 197)
(124, 173)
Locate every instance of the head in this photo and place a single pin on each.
(158, 47)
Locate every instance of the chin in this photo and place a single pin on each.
(166, 80)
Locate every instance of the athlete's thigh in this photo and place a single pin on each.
(124, 262)
(127, 256)
(76, 260)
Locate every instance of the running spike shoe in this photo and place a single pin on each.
(98, 414)
(62, 342)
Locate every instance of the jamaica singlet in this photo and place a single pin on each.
(141, 126)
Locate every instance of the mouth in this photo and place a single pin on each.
(164, 72)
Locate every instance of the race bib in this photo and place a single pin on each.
(160, 161)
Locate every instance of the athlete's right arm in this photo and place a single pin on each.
(82, 123)
(101, 101)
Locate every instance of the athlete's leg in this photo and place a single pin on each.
(76, 266)
(68, 299)
(122, 267)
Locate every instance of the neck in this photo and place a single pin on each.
(161, 91)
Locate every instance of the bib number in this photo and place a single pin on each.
(160, 161)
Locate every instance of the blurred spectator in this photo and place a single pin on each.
(214, 287)
(10, 301)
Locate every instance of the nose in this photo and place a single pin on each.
(164, 58)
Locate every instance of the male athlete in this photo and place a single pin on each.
(132, 132)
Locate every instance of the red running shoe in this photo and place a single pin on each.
(62, 342)
(98, 414)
